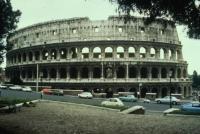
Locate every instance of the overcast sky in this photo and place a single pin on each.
(35, 11)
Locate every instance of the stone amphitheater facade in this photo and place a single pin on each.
(78, 53)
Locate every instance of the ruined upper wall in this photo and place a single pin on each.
(83, 29)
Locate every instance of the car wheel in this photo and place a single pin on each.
(158, 101)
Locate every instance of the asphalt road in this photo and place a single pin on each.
(151, 107)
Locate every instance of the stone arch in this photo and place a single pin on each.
(144, 72)
(73, 72)
(53, 54)
(120, 52)
(30, 56)
(45, 54)
(121, 72)
(142, 52)
(108, 52)
(152, 52)
(85, 52)
(63, 73)
(178, 73)
(63, 53)
(132, 72)
(184, 73)
(154, 72)
(53, 73)
(131, 52)
(24, 57)
(84, 72)
(163, 73)
(73, 52)
(96, 72)
(162, 53)
(97, 52)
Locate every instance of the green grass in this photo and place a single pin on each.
(7, 101)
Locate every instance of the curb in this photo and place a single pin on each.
(103, 108)
(179, 115)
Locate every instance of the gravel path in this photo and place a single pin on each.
(64, 118)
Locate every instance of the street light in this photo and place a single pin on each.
(170, 92)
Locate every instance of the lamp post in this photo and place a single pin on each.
(170, 90)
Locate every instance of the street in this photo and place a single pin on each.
(150, 107)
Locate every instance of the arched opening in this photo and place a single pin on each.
(24, 57)
(154, 73)
(173, 91)
(152, 53)
(120, 72)
(131, 52)
(29, 73)
(84, 72)
(120, 90)
(53, 73)
(143, 72)
(132, 72)
(173, 73)
(163, 73)
(143, 92)
(120, 52)
(162, 54)
(179, 73)
(73, 52)
(19, 58)
(155, 90)
(96, 72)
(185, 91)
(179, 90)
(142, 52)
(85, 53)
(53, 54)
(37, 55)
(45, 73)
(63, 73)
(184, 73)
(97, 52)
(164, 92)
(23, 74)
(45, 54)
(30, 56)
(73, 73)
(63, 53)
(108, 52)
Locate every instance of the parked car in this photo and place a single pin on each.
(87, 95)
(58, 92)
(3, 87)
(128, 98)
(166, 99)
(26, 89)
(112, 102)
(193, 107)
(16, 87)
(146, 100)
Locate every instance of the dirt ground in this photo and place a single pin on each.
(65, 118)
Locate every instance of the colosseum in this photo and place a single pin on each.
(78, 53)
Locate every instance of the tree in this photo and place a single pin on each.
(184, 12)
(8, 22)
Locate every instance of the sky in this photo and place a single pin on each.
(35, 11)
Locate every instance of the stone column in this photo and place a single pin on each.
(40, 55)
(114, 72)
(57, 74)
(49, 55)
(149, 73)
(147, 52)
(137, 52)
(166, 51)
(57, 54)
(68, 53)
(90, 73)
(127, 71)
(33, 56)
(126, 53)
(157, 53)
(102, 52)
(90, 53)
(68, 75)
(79, 74)
(102, 71)
(138, 74)
(114, 52)
(159, 72)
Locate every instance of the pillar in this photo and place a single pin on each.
(127, 71)
(102, 71)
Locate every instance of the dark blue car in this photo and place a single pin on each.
(191, 107)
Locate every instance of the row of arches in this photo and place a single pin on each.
(74, 72)
(96, 52)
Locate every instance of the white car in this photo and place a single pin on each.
(112, 102)
(26, 88)
(16, 87)
(166, 99)
(87, 95)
